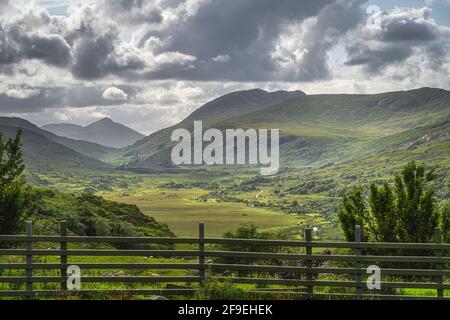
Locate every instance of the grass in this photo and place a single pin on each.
(182, 212)
(422, 292)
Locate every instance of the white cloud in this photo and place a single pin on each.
(115, 94)
(22, 93)
(222, 58)
(393, 37)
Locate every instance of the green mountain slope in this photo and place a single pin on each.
(325, 129)
(240, 103)
(88, 149)
(89, 215)
(63, 129)
(236, 104)
(104, 132)
(41, 153)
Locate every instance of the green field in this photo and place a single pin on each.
(182, 212)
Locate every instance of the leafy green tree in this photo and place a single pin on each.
(14, 194)
(404, 212)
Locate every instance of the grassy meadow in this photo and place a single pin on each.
(181, 210)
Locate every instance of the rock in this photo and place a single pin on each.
(158, 298)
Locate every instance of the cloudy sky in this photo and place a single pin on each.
(149, 63)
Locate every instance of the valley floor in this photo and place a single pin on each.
(184, 200)
(181, 210)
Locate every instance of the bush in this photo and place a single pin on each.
(102, 227)
(14, 205)
(249, 231)
(216, 290)
(404, 212)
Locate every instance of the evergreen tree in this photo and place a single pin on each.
(14, 195)
(416, 206)
(354, 213)
(446, 221)
(385, 224)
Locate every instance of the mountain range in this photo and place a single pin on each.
(316, 130)
(154, 149)
(104, 132)
(46, 152)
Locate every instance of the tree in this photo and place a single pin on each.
(404, 212)
(250, 232)
(416, 205)
(11, 163)
(385, 226)
(446, 221)
(354, 213)
(14, 195)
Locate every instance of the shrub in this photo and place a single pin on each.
(216, 290)
(404, 212)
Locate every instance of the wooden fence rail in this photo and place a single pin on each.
(302, 277)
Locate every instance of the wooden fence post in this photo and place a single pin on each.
(439, 253)
(29, 260)
(309, 263)
(63, 247)
(358, 252)
(201, 253)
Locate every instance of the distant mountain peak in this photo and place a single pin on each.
(106, 120)
(241, 103)
(103, 122)
(104, 131)
(254, 90)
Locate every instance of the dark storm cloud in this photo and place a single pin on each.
(212, 40)
(52, 49)
(8, 53)
(28, 35)
(97, 58)
(409, 31)
(97, 47)
(201, 40)
(333, 21)
(224, 27)
(17, 44)
(374, 59)
(394, 36)
(90, 57)
(247, 31)
(88, 46)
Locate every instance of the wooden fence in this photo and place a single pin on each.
(343, 272)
